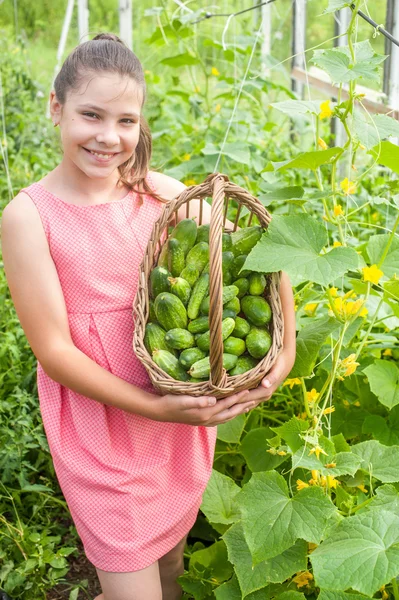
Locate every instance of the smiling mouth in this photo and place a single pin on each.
(101, 154)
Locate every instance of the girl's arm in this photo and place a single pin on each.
(39, 302)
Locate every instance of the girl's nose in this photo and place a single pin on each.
(108, 137)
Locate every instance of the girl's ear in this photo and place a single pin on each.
(55, 108)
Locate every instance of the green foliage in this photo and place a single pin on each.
(317, 465)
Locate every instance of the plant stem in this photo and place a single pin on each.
(395, 588)
(384, 254)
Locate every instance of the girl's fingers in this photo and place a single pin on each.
(230, 413)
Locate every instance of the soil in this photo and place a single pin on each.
(80, 568)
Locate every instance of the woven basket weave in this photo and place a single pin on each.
(220, 383)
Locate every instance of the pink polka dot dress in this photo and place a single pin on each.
(133, 485)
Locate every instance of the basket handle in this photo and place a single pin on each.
(218, 375)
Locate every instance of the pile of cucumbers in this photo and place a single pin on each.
(177, 332)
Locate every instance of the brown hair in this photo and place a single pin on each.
(107, 52)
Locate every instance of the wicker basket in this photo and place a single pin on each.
(220, 383)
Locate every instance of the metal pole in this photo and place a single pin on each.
(83, 20)
(62, 43)
(298, 41)
(126, 22)
(266, 16)
(391, 65)
(341, 24)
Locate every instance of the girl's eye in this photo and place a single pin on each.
(129, 121)
(89, 114)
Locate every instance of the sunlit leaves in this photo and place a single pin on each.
(294, 245)
(339, 65)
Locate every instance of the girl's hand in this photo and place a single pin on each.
(275, 377)
(201, 410)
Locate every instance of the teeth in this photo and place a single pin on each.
(101, 155)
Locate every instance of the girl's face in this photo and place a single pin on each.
(99, 123)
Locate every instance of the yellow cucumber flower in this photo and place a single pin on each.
(292, 382)
(338, 210)
(336, 245)
(325, 110)
(186, 157)
(329, 410)
(301, 484)
(310, 308)
(302, 578)
(321, 143)
(372, 274)
(217, 108)
(312, 395)
(317, 450)
(215, 72)
(348, 187)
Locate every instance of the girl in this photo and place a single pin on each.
(131, 464)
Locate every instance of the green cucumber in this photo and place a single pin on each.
(243, 286)
(170, 311)
(202, 368)
(154, 338)
(198, 256)
(170, 364)
(159, 281)
(245, 239)
(198, 294)
(244, 364)
(237, 266)
(228, 293)
(189, 356)
(186, 232)
(234, 305)
(234, 345)
(199, 325)
(256, 309)
(258, 342)
(179, 339)
(242, 328)
(190, 274)
(203, 233)
(152, 317)
(257, 284)
(227, 263)
(204, 341)
(227, 242)
(180, 288)
(175, 257)
(227, 312)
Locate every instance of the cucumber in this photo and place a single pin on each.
(203, 233)
(245, 239)
(257, 284)
(237, 266)
(175, 257)
(258, 342)
(242, 328)
(202, 368)
(227, 263)
(199, 325)
(204, 341)
(227, 312)
(244, 364)
(190, 274)
(189, 356)
(198, 294)
(154, 338)
(186, 232)
(159, 281)
(256, 309)
(170, 311)
(227, 242)
(243, 286)
(179, 339)
(169, 363)
(234, 305)
(228, 293)
(198, 256)
(152, 317)
(234, 345)
(180, 288)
